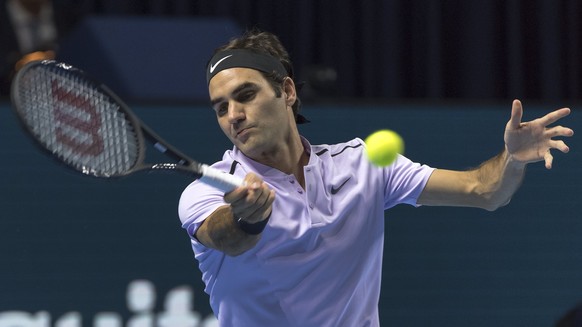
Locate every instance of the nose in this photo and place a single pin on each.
(235, 112)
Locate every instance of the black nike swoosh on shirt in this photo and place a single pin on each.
(335, 190)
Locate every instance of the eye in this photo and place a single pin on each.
(221, 109)
(246, 96)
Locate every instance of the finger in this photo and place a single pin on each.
(263, 210)
(261, 195)
(516, 115)
(558, 131)
(268, 199)
(244, 210)
(560, 145)
(269, 204)
(249, 198)
(554, 116)
(548, 159)
(255, 200)
(236, 195)
(263, 199)
(253, 180)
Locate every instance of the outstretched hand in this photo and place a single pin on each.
(532, 141)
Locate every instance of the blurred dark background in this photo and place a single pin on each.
(385, 49)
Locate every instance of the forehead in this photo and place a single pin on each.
(227, 80)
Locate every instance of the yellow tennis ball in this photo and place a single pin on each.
(382, 147)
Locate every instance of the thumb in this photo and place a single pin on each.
(516, 115)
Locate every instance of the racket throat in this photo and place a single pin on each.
(193, 170)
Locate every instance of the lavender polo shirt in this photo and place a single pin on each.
(319, 260)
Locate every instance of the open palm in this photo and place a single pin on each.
(532, 141)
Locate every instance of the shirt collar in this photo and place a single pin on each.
(268, 171)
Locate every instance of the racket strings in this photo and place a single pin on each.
(76, 121)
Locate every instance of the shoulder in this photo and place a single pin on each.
(199, 199)
(344, 149)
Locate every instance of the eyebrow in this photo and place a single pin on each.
(238, 89)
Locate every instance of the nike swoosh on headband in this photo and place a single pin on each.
(213, 67)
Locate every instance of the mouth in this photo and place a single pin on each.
(242, 133)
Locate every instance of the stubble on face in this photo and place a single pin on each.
(249, 112)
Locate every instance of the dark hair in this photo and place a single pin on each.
(266, 43)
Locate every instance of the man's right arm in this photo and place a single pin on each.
(252, 204)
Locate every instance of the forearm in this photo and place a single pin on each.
(489, 186)
(220, 231)
(493, 183)
(497, 179)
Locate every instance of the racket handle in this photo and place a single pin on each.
(219, 179)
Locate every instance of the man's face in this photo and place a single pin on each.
(249, 112)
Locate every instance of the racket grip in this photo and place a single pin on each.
(219, 179)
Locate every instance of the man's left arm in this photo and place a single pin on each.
(493, 183)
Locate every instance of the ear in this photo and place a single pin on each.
(289, 91)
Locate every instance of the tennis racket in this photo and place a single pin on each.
(85, 126)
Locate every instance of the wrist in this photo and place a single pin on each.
(251, 228)
(512, 161)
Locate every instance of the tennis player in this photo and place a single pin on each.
(301, 243)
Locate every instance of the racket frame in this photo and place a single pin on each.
(143, 133)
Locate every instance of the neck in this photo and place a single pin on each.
(289, 158)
